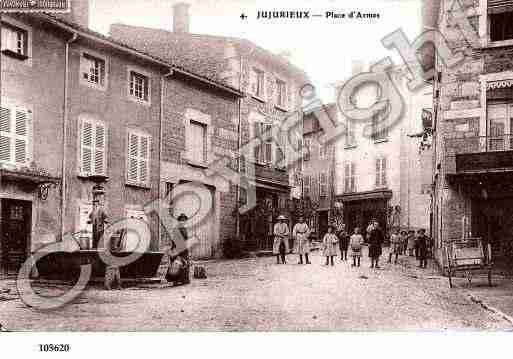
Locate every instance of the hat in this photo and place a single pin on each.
(281, 217)
(182, 217)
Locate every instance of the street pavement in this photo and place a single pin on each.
(257, 294)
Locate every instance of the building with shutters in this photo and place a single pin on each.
(473, 103)
(318, 169)
(270, 84)
(379, 172)
(76, 104)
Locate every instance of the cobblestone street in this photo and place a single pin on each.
(257, 294)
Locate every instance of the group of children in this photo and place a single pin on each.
(407, 243)
(354, 242)
(401, 242)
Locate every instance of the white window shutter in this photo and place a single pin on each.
(5, 139)
(133, 153)
(384, 171)
(86, 152)
(100, 140)
(21, 123)
(144, 159)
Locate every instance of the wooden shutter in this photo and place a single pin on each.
(99, 149)
(144, 159)
(133, 152)
(5, 138)
(138, 171)
(268, 143)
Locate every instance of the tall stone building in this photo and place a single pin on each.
(473, 107)
(380, 173)
(77, 104)
(270, 84)
(318, 169)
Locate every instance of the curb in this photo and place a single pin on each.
(488, 307)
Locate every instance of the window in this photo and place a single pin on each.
(500, 15)
(264, 150)
(500, 125)
(92, 70)
(14, 41)
(197, 146)
(379, 133)
(15, 135)
(306, 148)
(381, 172)
(350, 177)
(257, 82)
(314, 190)
(281, 93)
(323, 184)
(306, 186)
(139, 86)
(138, 168)
(93, 144)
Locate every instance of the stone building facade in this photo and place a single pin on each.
(76, 104)
(270, 85)
(318, 169)
(472, 132)
(380, 173)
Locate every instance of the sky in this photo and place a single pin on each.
(324, 49)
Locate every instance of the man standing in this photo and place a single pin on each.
(281, 239)
(98, 219)
(422, 247)
(376, 239)
(301, 234)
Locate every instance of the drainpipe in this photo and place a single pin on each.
(239, 145)
(64, 131)
(161, 141)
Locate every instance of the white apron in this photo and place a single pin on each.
(301, 233)
(281, 234)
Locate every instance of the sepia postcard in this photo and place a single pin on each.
(255, 166)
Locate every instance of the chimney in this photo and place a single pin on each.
(358, 67)
(181, 18)
(79, 13)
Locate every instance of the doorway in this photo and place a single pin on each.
(16, 227)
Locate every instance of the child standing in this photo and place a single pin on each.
(356, 242)
(329, 242)
(395, 246)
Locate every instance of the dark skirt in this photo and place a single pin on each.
(343, 243)
(374, 251)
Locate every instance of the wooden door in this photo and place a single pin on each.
(15, 236)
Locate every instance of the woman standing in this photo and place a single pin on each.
(329, 243)
(281, 239)
(411, 242)
(301, 234)
(376, 239)
(395, 246)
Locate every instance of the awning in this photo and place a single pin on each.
(28, 176)
(499, 84)
(272, 187)
(381, 194)
(498, 6)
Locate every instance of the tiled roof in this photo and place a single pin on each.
(201, 53)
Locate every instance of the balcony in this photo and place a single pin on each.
(271, 175)
(478, 154)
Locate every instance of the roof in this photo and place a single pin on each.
(139, 52)
(203, 54)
